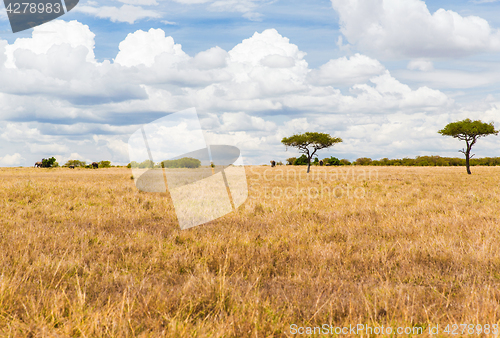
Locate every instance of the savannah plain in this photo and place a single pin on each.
(83, 253)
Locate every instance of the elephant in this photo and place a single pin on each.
(38, 164)
(321, 162)
(95, 165)
(72, 167)
(273, 164)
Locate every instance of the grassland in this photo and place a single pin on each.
(84, 254)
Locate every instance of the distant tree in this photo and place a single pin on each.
(345, 161)
(104, 164)
(302, 160)
(363, 161)
(309, 143)
(279, 163)
(468, 131)
(331, 161)
(316, 161)
(76, 163)
(291, 160)
(185, 162)
(49, 162)
(143, 165)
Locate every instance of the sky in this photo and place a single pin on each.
(384, 75)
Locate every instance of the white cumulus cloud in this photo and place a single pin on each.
(126, 13)
(347, 71)
(406, 28)
(143, 47)
(11, 160)
(54, 99)
(53, 33)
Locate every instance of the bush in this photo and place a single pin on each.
(185, 162)
(345, 161)
(142, 165)
(76, 163)
(332, 161)
(428, 161)
(279, 163)
(363, 161)
(105, 164)
(302, 160)
(49, 162)
(291, 160)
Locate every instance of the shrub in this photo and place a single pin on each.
(332, 161)
(49, 162)
(105, 164)
(302, 160)
(363, 161)
(185, 162)
(76, 163)
(291, 160)
(345, 161)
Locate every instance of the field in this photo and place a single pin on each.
(83, 253)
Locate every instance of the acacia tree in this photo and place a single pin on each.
(468, 131)
(309, 143)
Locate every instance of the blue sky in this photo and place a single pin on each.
(383, 75)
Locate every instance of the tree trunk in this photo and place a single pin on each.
(467, 158)
(308, 166)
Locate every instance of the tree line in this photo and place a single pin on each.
(185, 162)
(310, 143)
(419, 161)
(52, 163)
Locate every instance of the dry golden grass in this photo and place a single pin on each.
(84, 254)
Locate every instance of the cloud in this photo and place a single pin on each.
(277, 61)
(246, 7)
(215, 57)
(243, 122)
(422, 65)
(48, 148)
(20, 133)
(126, 13)
(3, 16)
(53, 33)
(143, 47)
(54, 99)
(11, 160)
(140, 2)
(406, 28)
(192, 2)
(346, 71)
(451, 79)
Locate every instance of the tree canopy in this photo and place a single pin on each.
(309, 143)
(468, 131)
(76, 163)
(49, 162)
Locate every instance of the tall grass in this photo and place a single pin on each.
(84, 254)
